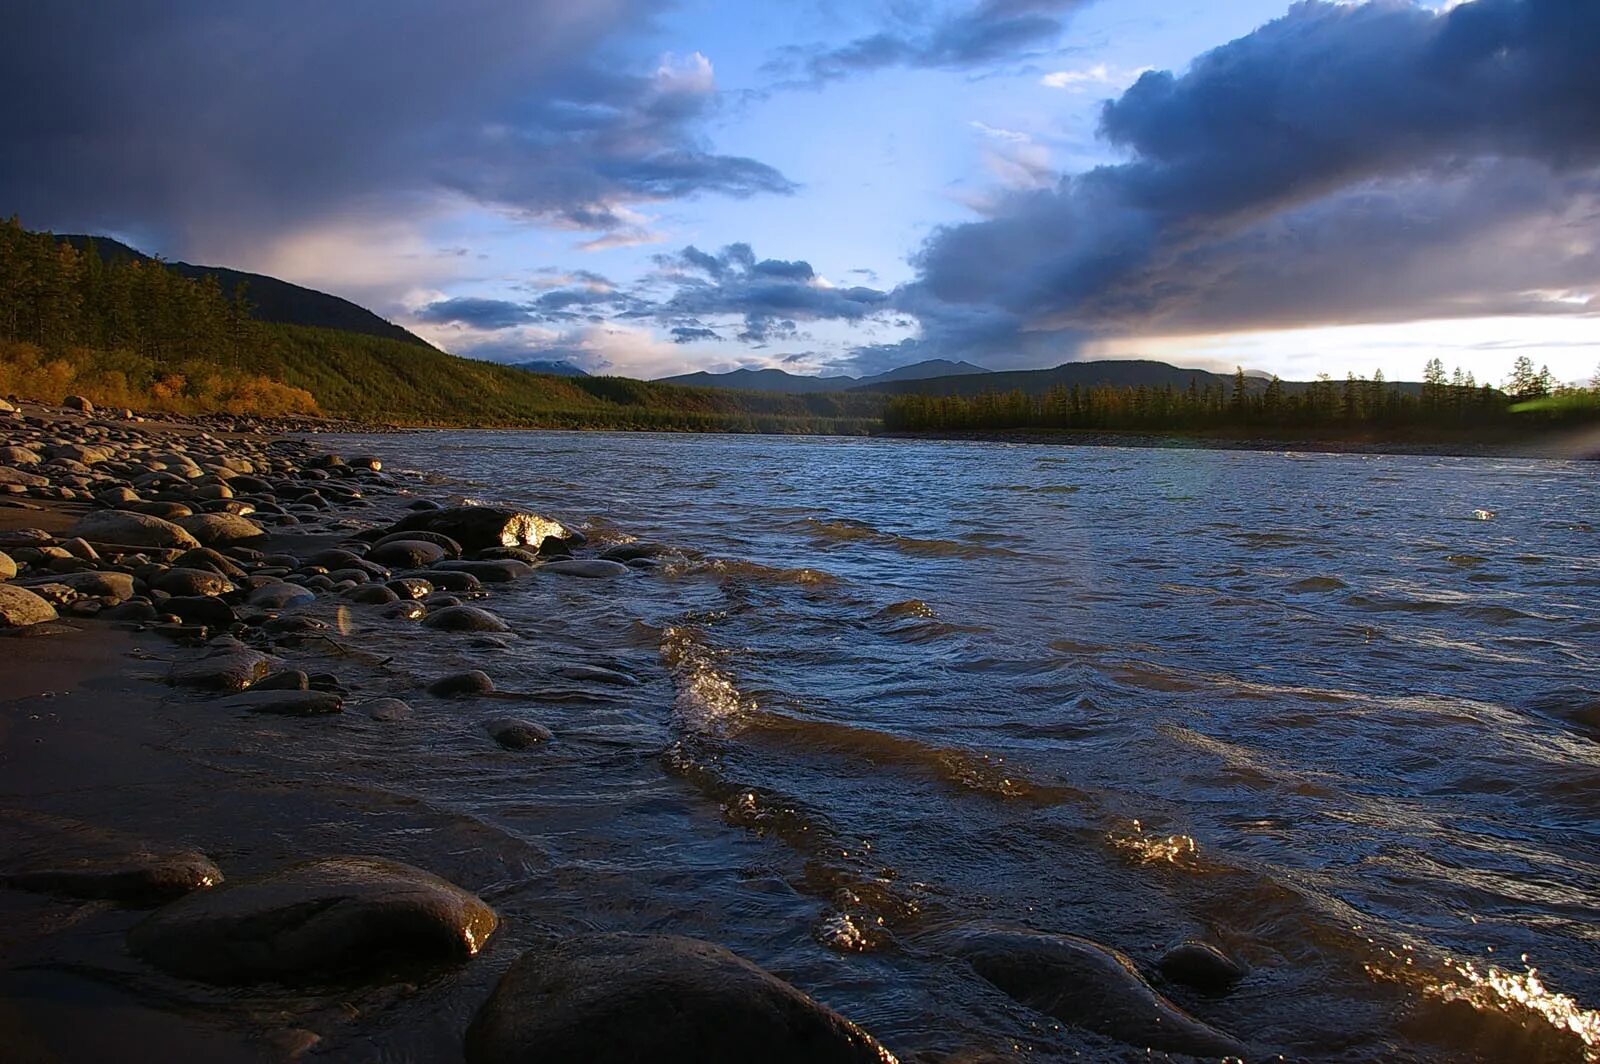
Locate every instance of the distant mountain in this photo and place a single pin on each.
(776, 380)
(1116, 373)
(762, 380)
(555, 369)
(932, 368)
(274, 300)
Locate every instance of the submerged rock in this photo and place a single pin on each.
(473, 682)
(515, 734)
(407, 553)
(387, 709)
(286, 702)
(617, 999)
(1202, 966)
(333, 917)
(465, 619)
(1087, 985)
(591, 568)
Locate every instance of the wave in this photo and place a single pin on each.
(733, 569)
(845, 531)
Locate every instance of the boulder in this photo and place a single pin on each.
(451, 547)
(617, 999)
(515, 734)
(489, 572)
(339, 916)
(18, 456)
(20, 607)
(372, 595)
(386, 709)
(126, 528)
(52, 855)
(407, 554)
(8, 568)
(26, 480)
(465, 619)
(1087, 985)
(461, 583)
(476, 527)
(286, 703)
(410, 587)
(1201, 966)
(221, 529)
(230, 669)
(201, 609)
(192, 582)
(78, 403)
(589, 568)
(472, 682)
(118, 587)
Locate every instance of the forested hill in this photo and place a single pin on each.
(130, 331)
(1106, 373)
(270, 299)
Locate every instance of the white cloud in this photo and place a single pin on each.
(1100, 76)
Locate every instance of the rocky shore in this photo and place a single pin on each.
(215, 535)
(213, 570)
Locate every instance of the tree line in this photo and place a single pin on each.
(1456, 404)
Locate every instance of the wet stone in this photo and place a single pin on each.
(52, 855)
(286, 703)
(1201, 966)
(336, 917)
(587, 568)
(617, 999)
(386, 709)
(472, 682)
(225, 670)
(1085, 984)
(514, 734)
(464, 619)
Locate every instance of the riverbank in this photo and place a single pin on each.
(173, 595)
(1581, 445)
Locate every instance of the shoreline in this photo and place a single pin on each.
(172, 590)
(1579, 446)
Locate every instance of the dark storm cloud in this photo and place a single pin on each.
(990, 32)
(180, 120)
(769, 294)
(485, 314)
(1341, 164)
(684, 334)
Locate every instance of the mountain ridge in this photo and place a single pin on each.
(273, 299)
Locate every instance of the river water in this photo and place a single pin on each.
(1307, 707)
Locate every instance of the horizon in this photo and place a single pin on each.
(650, 190)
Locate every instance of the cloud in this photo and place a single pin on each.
(1345, 163)
(487, 314)
(212, 127)
(1092, 79)
(770, 295)
(992, 31)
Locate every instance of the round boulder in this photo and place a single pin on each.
(472, 682)
(615, 999)
(126, 528)
(221, 529)
(1202, 966)
(20, 607)
(407, 554)
(515, 734)
(465, 619)
(192, 582)
(334, 917)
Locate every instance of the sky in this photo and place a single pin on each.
(648, 188)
